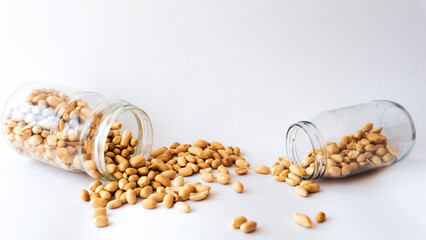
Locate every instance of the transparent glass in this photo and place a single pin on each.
(68, 128)
(351, 140)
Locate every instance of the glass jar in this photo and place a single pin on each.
(351, 140)
(70, 128)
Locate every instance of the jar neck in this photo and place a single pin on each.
(99, 123)
(303, 138)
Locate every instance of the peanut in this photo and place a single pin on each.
(238, 221)
(302, 220)
(223, 169)
(208, 177)
(101, 221)
(116, 203)
(223, 178)
(262, 169)
(320, 217)
(168, 200)
(241, 170)
(301, 191)
(149, 203)
(248, 227)
(131, 196)
(84, 194)
(198, 196)
(182, 207)
(165, 181)
(98, 202)
(238, 187)
(298, 170)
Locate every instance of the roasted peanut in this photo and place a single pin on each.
(84, 194)
(262, 169)
(149, 203)
(236, 222)
(238, 187)
(320, 217)
(302, 220)
(223, 178)
(182, 207)
(248, 227)
(101, 221)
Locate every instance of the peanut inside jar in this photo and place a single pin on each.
(365, 149)
(47, 126)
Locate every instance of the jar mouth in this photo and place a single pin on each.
(302, 138)
(116, 110)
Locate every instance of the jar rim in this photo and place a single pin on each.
(144, 135)
(309, 130)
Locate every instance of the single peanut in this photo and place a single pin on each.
(223, 178)
(236, 222)
(84, 194)
(116, 203)
(248, 227)
(238, 187)
(101, 221)
(298, 170)
(149, 203)
(262, 169)
(198, 196)
(131, 196)
(168, 200)
(182, 207)
(208, 177)
(302, 220)
(320, 217)
(241, 170)
(301, 191)
(98, 202)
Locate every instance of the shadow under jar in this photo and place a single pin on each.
(351, 140)
(74, 129)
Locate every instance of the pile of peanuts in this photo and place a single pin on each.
(283, 171)
(48, 126)
(355, 153)
(155, 179)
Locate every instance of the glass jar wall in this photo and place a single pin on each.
(70, 128)
(351, 140)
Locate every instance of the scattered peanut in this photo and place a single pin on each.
(182, 207)
(301, 191)
(223, 178)
(84, 194)
(320, 217)
(262, 169)
(302, 220)
(236, 222)
(116, 203)
(241, 170)
(238, 187)
(98, 202)
(248, 227)
(101, 221)
(149, 203)
(168, 200)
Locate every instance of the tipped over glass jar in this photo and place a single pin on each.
(351, 140)
(75, 130)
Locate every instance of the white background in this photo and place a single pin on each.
(239, 72)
